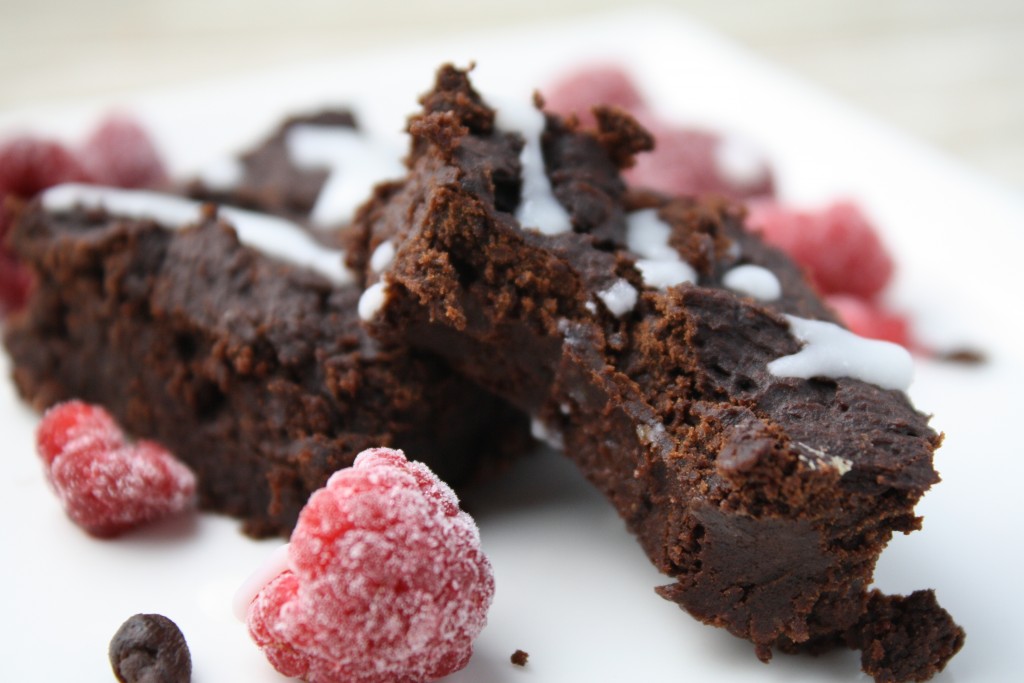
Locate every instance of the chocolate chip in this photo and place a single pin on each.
(149, 648)
(519, 657)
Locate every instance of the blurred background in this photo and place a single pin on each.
(949, 72)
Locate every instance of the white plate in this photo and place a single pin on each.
(574, 590)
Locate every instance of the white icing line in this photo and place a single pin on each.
(222, 175)
(372, 300)
(619, 298)
(647, 236)
(356, 164)
(665, 274)
(271, 235)
(754, 281)
(382, 256)
(274, 565)
(659, 264)
(831, 351)
(538, 208)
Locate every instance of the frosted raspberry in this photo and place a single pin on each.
(839, 248)
(107, 485)
(121, 153)
(870, 320)
(29, 164)
(385, 580)
(693, 162)
(577, 92)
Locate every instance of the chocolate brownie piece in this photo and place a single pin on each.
(215, 340)
(313, 169)
(660, 346)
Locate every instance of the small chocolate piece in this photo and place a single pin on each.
(150, 648)
(519, 658)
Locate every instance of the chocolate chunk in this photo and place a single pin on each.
(149, 648)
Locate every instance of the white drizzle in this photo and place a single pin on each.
(619, 298)
(274, 565)
(538, 208)
(222, 175)
(382, 256)
(356, 163)
(648, 236)
(665, 274)
(754, 281)
(831, 351)
(372, 300)
(271, 235)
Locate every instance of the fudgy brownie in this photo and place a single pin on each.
(233, 340)
(314, 169)
(683, 365)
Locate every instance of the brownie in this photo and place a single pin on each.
(251, 368)
(271, 178)
(764, 496)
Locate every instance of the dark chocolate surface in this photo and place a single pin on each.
(254, 372)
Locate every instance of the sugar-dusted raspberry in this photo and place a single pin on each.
(838, 246)
(579, 91)
(107, 485)
(71, 426)
(30, 164)
(121, 153)
(385, 580)
(694, 162)
(868, 319)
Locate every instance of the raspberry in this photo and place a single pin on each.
(838, 247)
(121, 153)
(385, 580)
(107, 485)
(29, 164)
(73, 426)
(688, 161)
(577, 92)
(869, 320)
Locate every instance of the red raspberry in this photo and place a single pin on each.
(839, 248)
(385, 582)
(29, 165)
(688, 161)
(869, 320)
(580, 90)
(121, 153)
(108, 486)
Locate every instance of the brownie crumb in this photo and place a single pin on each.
(519, 657)
(905, 638)
(965, 356)
(150, 648)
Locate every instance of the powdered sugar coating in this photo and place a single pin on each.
(106, 485)
(386, 580)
